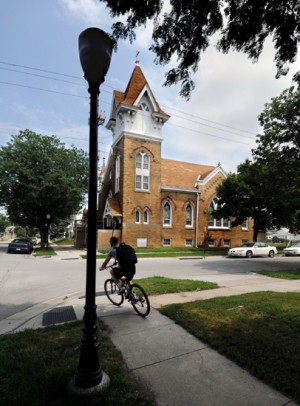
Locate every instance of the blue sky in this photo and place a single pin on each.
(42, 88)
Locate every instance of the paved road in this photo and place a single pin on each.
(26, 280)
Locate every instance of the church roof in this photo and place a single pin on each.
(136, 84)
(183, 174)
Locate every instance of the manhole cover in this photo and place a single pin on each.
(59, 315)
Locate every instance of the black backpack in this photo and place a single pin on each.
(126, 256)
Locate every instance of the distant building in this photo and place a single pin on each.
(150, 201)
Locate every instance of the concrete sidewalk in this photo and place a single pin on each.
(175, 366)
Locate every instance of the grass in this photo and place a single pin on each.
(166, 252)
(36, 367)
(258, 331)
(43, 251)
(159, 285)
(64, 241)
(282, 274)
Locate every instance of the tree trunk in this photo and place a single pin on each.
(43, 233)
(255, 230)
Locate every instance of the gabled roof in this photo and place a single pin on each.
(183, 174)
(114, 207)
(135, 86)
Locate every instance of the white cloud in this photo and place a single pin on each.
(89, 11)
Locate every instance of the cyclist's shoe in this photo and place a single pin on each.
(133, 297)
(121, 290)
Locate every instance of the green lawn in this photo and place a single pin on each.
(43, 251)
(282, 274)
(165, 252)
(64, 241)
(36, 367)
(159, 285)
(258, 331)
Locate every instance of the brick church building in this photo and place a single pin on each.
(150, 201)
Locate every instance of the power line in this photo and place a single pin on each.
(210, 135)
(165, 106)
(43, 76)
(43, 90)
(209, 121)
(46, 71)
(210, 126)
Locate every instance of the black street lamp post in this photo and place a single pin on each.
(95, 49)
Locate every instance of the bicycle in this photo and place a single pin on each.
(133, 292)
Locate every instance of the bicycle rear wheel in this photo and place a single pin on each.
(139, 300)
(111, 291)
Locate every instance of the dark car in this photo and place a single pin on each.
(23, 245)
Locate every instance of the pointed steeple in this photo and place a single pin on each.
(136, 111)
(103, 169)
(135, 86)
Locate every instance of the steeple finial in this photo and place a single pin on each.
(137, 61)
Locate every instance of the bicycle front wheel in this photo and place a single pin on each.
(139, 300)
(111, 291)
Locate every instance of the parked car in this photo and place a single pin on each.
(294, 249)
(23, 245)
(252, 249)
(34, 240)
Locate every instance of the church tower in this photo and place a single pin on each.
(133, 195)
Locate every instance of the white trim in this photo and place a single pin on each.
(178, 189)
(134, 134)
(218, 169)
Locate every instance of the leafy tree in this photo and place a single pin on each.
(185, 29)
(268, 189)
(39, 176)
(4, 222)
(245, 194)
(279, 149)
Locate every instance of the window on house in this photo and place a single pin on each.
(144, 106)
(226, 243)
(245, 225)
(189, 216)
(212, 221)
(137, 217)
(117, 184)
(138, 182)
(188, 242)
(146, 217)
(211, 243)
(146, 162)
(167, 214)
(167, 242)
(139, 160)
(142, 171)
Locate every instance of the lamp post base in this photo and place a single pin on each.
(89, 372)
(86, 391)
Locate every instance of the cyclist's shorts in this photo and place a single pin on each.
(119, 272)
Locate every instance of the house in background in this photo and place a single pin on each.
(150, 201)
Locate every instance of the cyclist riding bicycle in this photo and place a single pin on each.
(117, 272)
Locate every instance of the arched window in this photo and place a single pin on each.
(189, 216)
(137, 217)
(139, 160)
(146, 217)
(142, 171)
(117, 184)
(212, 221)
(167, 215)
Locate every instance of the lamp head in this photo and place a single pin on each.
(95, 49)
